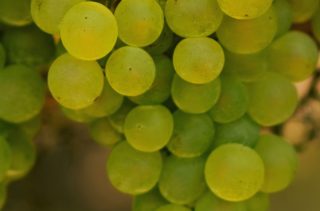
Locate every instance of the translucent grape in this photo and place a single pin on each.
(130, 71)
(162, 44)
(103, 133)
(75, 83)
(22, 93)
(244, 9)
(15, 13)
(143, 122)
(76, 115)
(210, 202)
(274, 89)
(192, 136)
(242, 131)
(23, 154)
(89, 30)
(232, 103)
(148, 201)
(234, 172)
(248, 36)
(140, 21)
(316, 25)
(161, 87)
(245, 67)
(188, 18)
(2, 56)
(5, 159)
(284, 16)
(106, 104)
(182, 179)
(28, 45)
(195, 98)
(47, 14)
(198, 60)
(303, 10)
(259, 202)
(118, 118)
(173, 207)
(293, 55)
(132, 171)
(280, 162)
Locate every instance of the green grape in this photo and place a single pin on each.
(118, 118)
(5, 160)
(47, 14)
(316, 25)
(244, 9)
(163, 43)
(293, 55)
(148, 201)
(198, 60)
(303, 10)
(242, 131)
(106, 104)
(75, 83)
(28, 45)
(23, 154)
(195, 98)
(2, 56)
(284, 16)
(22, 93)
(76, 115)
(173, 207)
(259, 202)
(233, 101)
(210, 202)
(192, 135)
(89, 30)
(140, 21)
(130, 71)
(15, 13)
(280, 161)
(274, 89)
(189, 18)
(3, 194)
(161, 87)
(132, 171)
(234, 172)
(143, 122)
(103, 133)
(245, 67)
(32, 126)
(248, 36)
(182, 179)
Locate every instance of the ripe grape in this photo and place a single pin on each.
(148, 201)
(280, 161)
(244, 9)
(173, 207)
(284, 16)
(234, 172)
(140, 21)
(198, 60)
(259, 202)
(89, 30)
(15, 13)
(316, 24)
(76, 115)
(75, 83)
(303, 10)
(182, 179)
(192, 135)
(143, 122)
(22, 93)
(47, 14)
(117, 119)
(195, 98)
(248, 36)
(130, 71)
(131, 171)
(189, 18)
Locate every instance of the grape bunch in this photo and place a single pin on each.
(179, 89)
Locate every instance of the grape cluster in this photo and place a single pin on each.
(180, 90)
